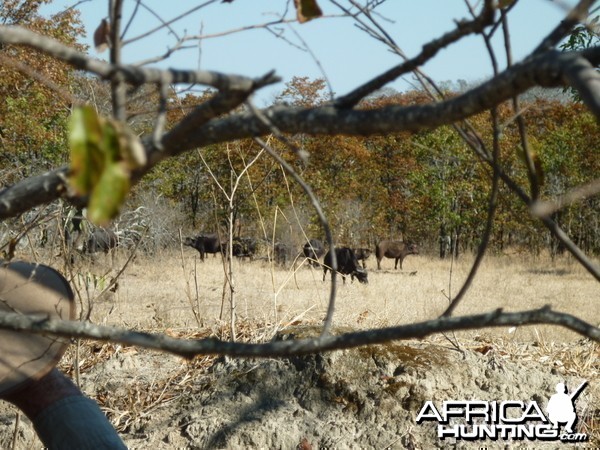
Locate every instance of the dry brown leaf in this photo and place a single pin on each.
(307, 10)
(102, 36)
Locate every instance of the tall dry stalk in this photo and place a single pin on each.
(194, 300)
(231, 198)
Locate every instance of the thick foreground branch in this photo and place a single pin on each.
(548, 70)
(193, 347)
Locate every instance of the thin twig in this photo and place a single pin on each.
(166, 24)
(545, 208)
(314, 201)
(118, 88)
(429, 51)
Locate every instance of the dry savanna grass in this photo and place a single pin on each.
(177, 291)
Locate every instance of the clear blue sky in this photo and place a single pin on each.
(347, 55)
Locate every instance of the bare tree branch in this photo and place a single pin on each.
(118, 87)
(168, 23)
(585, 79)
(32, 192)
(429, 51)
(546, 208)
(546, 70)
(577, 15)
(192, 347)
(130, 74)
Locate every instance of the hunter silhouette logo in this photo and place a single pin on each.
(507, 420)
(561, 407)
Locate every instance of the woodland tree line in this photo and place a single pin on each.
(417, 185)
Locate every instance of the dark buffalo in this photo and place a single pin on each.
(243, 247)
(347, 265)
(100, 240)
(205, 243)
(394, 249)
(313, 250)
(362, 254)
(283, 253)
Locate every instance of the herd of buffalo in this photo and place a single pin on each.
(350, 261)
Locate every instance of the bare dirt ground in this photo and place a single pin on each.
(360, 398)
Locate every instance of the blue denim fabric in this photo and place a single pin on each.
(77, 423)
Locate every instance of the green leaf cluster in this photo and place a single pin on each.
(104, 153)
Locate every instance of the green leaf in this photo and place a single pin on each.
(109, 194)
(110, 142)
(131, 150)
(104, 152)
(86, 153)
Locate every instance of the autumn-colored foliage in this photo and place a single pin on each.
(410, 185)
(33, 113)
